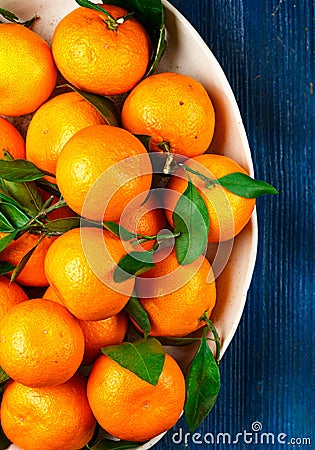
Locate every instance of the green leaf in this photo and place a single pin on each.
(102, 104)
(6, 197)
(48, 187)
(6, 240)
(20, 170)
(191, 220)
(119, 231)
(8, 15)
(150, 14)
(144, 357)
(6, 267)
(132, 265)
(202, 385)
(60, 226)
(18, 269)
(5, 224)
(13, 214)
(135, 310)
(3, 376)
(111, 22)
(26, 194)
(243, 185)
(145, 140)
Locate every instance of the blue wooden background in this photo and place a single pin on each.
(266, 48)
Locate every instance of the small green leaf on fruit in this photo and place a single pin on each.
(20, 170)
(202, 385)
(102, 104)
(150, 14)
(136, 311)
(13, 214)
(60, 226)
(145, 358)
(243, 185)
(191, 222)
(3, 376)
(6, 267)
(119, 231)
(6, 240)
(133, 264)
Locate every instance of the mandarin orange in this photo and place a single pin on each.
(28, 73)
(131, 408)
(96, 58)
(48, 418)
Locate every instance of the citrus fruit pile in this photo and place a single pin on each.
(106, 213)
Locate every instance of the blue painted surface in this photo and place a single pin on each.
(266, 48)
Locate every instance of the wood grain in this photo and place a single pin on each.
(266, 49)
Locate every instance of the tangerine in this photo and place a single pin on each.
(131, 408)
(41, 343)
(173, 109)
(48, 418)
(96, 58)
(79, 266)
(228, 212)
(28, 73)
(11, 139)
(100, 169)
(53, 124)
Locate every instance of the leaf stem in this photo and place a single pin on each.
(209, 182)
(217, 339)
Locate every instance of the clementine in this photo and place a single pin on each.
(33, 273)
(53, 124)
(96, 58)
(79, 266)
(100, 169)
(131, 408)
(28, 73)
(41, 343)
(174, 109)
(101, 333)
(11, 139)
(48, 418)
(229, 213)
(10, 294)
(176, 296)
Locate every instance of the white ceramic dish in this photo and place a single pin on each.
(187, 53)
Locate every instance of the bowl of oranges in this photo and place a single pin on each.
(128, 230)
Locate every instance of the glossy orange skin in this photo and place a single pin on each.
(69, 269)
(101, 333)
(172, 108)
(53, 124)
(131, 408)
(99, 60)
(48, 418)
(109, 161)
(10, 294)
(175, 297)
(229, 213)
(41, 343)
(28, 73)
(33, 273)
(11, 140)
